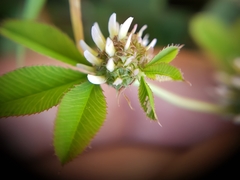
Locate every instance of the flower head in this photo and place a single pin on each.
(120, 56)
(228, 91)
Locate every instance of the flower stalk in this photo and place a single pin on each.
(184, 102)
(76, 19)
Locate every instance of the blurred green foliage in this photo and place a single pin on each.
(217, 31)
(167, 20)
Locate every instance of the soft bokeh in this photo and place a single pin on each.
(130, 146)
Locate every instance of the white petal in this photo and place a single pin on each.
(124, 28)
(97, 36)
(91, 58)
(110, 49)
(85, 47)
(129, 60)
(128, 42)
(110, 65)
(140, 33)
(96, 79)
(117, 81)
(86, 69)
(152, 44)
(113, 26)
(134, 29)
(98, 29)
(145, 40)
(117, 28)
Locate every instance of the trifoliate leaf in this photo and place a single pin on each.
(166, 55)
(34, 89)
(81, 113)
(44, 39)
(145, 96)
(163, 72)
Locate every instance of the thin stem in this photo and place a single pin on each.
(32, 9)
(184, 102)
(76, 18)
(20, 55)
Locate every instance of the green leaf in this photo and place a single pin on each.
(34, 89)
(145, 96)
(163, 72)
(166, 55)
(236, 29)
(216, 38)
(30, 11)
(44, 39)
(81, 113)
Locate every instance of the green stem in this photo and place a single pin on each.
(32, 9)
(30, 12)
(183, 102)
(20, 55)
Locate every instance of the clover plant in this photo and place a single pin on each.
(125, 57)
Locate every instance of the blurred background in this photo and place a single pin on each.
(167, 20)
(190, 144)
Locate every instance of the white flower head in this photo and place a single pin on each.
(119, 57)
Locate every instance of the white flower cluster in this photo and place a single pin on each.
(118, 58)
(228, 91)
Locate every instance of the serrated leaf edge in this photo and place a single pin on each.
(166, 77)
(42, 91)
(148, 97)
(178, 46)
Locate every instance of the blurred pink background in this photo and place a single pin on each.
(129, 145)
